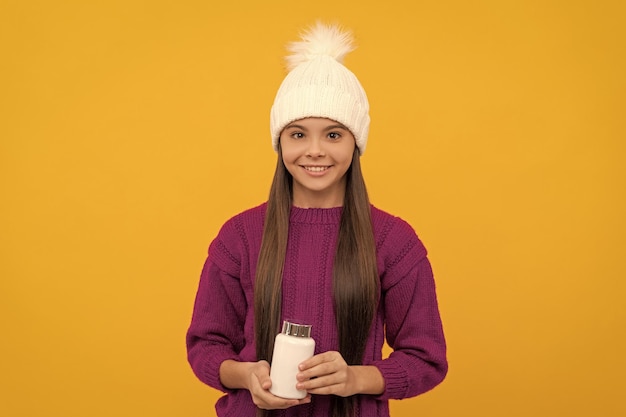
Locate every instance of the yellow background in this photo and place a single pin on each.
(131, 130)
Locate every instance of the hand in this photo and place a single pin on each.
(259, 383)
(327, 373)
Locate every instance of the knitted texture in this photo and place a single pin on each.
(222, 325)
(319, 85)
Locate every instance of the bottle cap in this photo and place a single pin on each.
(298, 330)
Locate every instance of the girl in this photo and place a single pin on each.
(317, 251)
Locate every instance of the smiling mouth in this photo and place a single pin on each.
(316, 168)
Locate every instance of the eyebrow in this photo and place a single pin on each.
(327, 128)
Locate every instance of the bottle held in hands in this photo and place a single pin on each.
(292, 346)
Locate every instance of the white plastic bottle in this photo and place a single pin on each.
(292, 346)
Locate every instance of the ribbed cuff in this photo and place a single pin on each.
(211, 369)
(396, 380)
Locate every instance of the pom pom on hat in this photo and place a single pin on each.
(319, 85)
(320, 40)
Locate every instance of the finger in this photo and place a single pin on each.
(325, 368)
(319, 382)
(263, 375)
(265, 381)
(334, 389)
(318, 359)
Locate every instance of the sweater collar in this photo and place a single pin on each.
(316, 215)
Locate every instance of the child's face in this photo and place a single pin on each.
(317, 153)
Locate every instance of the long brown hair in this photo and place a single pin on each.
(355, 284)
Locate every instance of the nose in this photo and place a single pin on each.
(315, 147)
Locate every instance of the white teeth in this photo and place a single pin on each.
(316, 169)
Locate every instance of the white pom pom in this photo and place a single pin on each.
(320, 39)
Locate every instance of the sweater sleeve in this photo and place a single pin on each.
(413, 325)
(216, 330)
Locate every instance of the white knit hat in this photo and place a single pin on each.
(319, 85)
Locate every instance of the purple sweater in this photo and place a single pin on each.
(222, 326)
